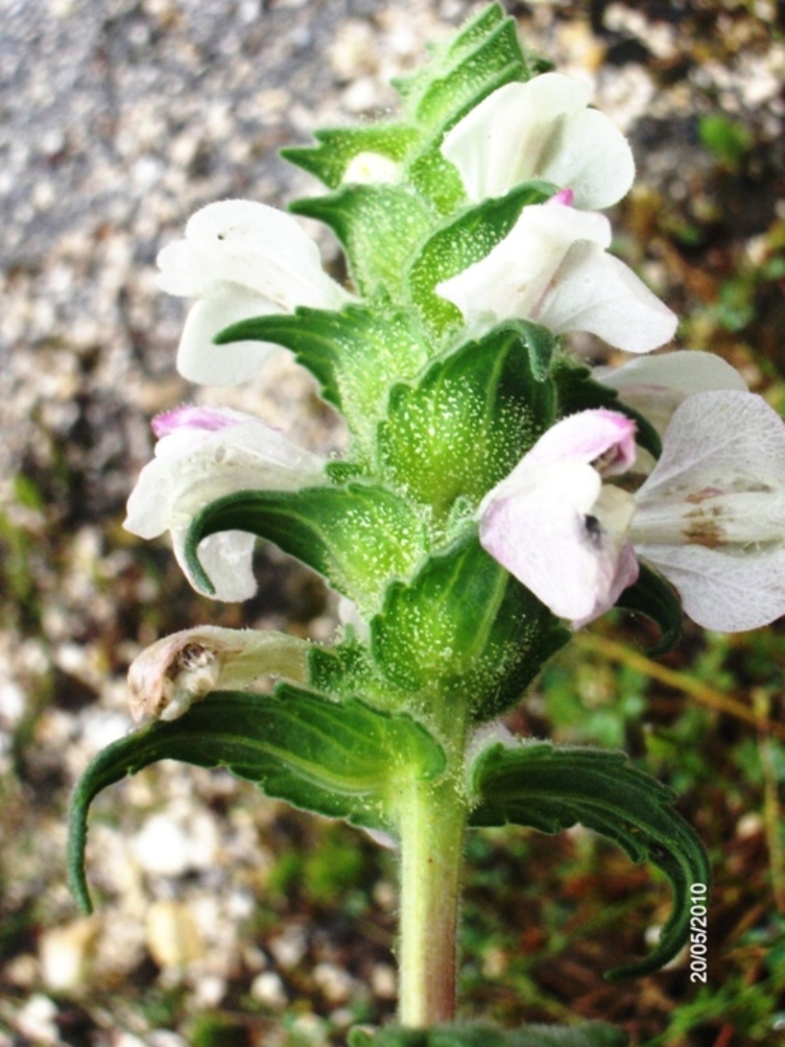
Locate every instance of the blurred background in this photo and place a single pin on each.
(224, 918)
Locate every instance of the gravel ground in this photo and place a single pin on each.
(121, 118)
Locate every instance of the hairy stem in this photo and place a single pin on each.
(432, 824)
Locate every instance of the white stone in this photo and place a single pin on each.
(37, 1020)
(170, 846)
(290, 947)
(268, 988)
(336, 983)
(66, 953)
(172, 934)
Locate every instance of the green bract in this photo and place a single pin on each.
(358, 535)
(551, 789)
(468, 418)
(340, 760)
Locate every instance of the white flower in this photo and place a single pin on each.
(553, 269)
(541, 129)
(178, 670)
(710, 517)
(656, 385)
(240, 260)
(203, 454)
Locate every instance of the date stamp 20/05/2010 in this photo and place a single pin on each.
(698, 933)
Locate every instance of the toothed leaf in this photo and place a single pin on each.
(358, 536)
(465, 625)
(460, 72)
(550, 789)
(365, 216)
(470, 418)
(356, 355)
(337, 759)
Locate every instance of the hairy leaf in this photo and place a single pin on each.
(347, 669)
(463, 70)
(358, 536)
(356, 354)
(465, 626)
(365, 216)
(550, 789)
(470, 418)
(341, 760)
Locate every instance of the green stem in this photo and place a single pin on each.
(432, 823)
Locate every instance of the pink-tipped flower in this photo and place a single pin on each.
(557, 527)
(710, 516)
(203, 454)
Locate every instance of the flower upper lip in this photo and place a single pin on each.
(553, 269)
(553, 524)
(542, 128)
(240, 259)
